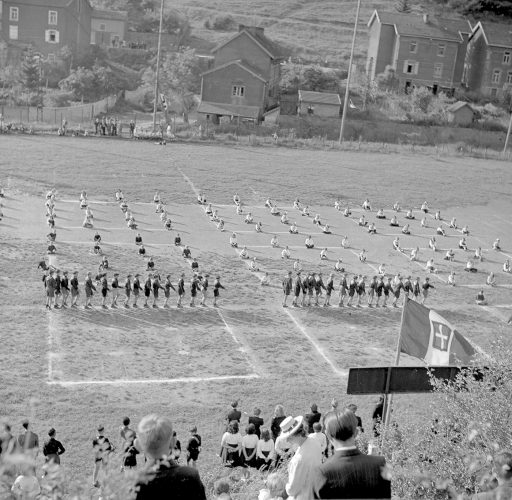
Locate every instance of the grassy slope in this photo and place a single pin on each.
(292, 371)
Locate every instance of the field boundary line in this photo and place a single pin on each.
(70, 383)
(189, 182)
(318, 347)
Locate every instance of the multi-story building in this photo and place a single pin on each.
(488, 67)
(244, 80)
(47, 25)
(108, 27)
(423, 51)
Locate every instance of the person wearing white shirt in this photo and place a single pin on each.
(323, 254)
(249, 446)
(297, 266)
(309, 242)
(303, 466)
(231, 444)
(506, 267)
(424, 222)
(232, 241)
(451, 278)
(414, 254)
(252, 265)
(265, 452)
(274, 241)
(496, 245)
(284, 218)
(478, 254)
(319, 436)
(450, 255)
(258, 227)
(248, 218)
(382, 269)
(424, 207)
(339, 266)
(274, 210)
(244, 254)
(285, 254)
(462, 244)
(453, 223)
(440, 231)
(396, 244)
(344, 242)
(265, 280)
(26, 485)
(491, 279)
(432, 243)
(294, 229)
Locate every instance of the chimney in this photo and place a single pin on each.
(425, 18)
(254, 30)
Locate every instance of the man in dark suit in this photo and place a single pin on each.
(348, 473)
(312, 418)
(234, 413)
(163, 478)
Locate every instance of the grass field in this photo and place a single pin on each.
(76, 369)
(315, 30)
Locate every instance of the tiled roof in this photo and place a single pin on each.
(497, 34)
(458, 105)
(319, 97)
(114, 15)
(46, 3)
(215, 108)
(415, 25)
(270, 47)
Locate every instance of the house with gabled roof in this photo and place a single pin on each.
(47, 26)
(108, 27)
(488, 67)
(423, 50)
(244, 80)
(325, 104)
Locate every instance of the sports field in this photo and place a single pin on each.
(74, 369)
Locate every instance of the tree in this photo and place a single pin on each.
(451, 451)
(82, 82)
(179, 80)
(31, 71)
(295, 76)
(403, 6)
(388, 80)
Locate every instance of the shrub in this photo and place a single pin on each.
(223, 22)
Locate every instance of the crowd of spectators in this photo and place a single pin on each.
(302, 457)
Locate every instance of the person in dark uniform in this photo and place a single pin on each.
(193, 447)
(142, 250)
(319, 284)
(136, 290)
(361, 290)
(156, 287)
(50, 289)
(52, 448)
(204, 289)
(167, 289)
(379, 289)
(407, 287)
(416, 289)
(194, 285)
(328, 290)
(75, 292)
(104, 291)
(181, 289)
(216, 287)
(287, 287)
(147, 290)
(138, 239)
(128, 290)
(372, 288)
(177, 240)
(398, 287)
(194, 265)
(58, 293)
(297, 288)
(115, 290)
(257, 421)
(352, 288)
(64, 285)
(151, 265)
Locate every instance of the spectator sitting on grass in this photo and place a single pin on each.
(162, 475)
(275, 487)
(221, 490)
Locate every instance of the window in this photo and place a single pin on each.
(411, 67)
(51, 36)
(440, 49)
(14, 14)
(506, 57)
(238, 91)
(509, 77)
(438, 70)
(494, 92)
(51, 58)
(52, 17)
(413, 47)
(13, 32)
(496, 76)
(102, 27)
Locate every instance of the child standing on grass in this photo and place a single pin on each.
(130, 452)
(193, 447)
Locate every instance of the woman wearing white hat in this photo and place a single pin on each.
(302, 469)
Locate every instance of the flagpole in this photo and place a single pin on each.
(388, 398)
(158, 63)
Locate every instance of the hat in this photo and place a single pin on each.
(116, 274)
(218, 277)
(290, 425)
(65, 272)
(100, 428)
(137, 275)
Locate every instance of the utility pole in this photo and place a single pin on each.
(509, 131)
(347, 89)
(158, 62)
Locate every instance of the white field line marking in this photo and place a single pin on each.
(117, 243)
(70, 383)
(319, 348)
(282, 232)
(113, 228)
(495, 313)
(97, 202)
(242, 347)
(423, 267)
(281, 247)
(486, 286)
(190, 183)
